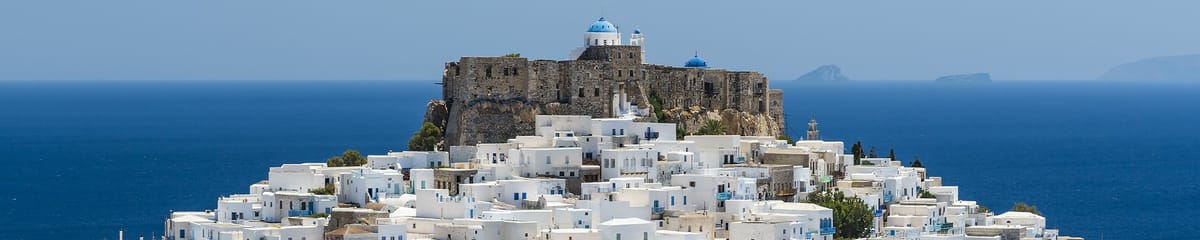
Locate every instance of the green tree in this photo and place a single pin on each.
(656, 103)
(851, 216)
(1022, 207)
(925, 194)
(680, 133)
(711, 127)
(329, 189)
(349, 158)
(892, 154)
(785, 137)
(425, 139)
(917, 162)
(513, 55)
(984, 209)
(857, 151)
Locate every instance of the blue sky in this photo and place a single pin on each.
(411, 40)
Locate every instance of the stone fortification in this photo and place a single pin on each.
(492, 99)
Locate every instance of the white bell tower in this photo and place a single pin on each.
(636, 39)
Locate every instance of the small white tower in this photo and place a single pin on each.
(813, 133)
(636, 39)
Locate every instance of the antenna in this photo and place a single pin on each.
(602, 5)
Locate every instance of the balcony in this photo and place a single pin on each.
(945, 227)
(299, 213)
(828, 230)
(722, 196)
(658, 210)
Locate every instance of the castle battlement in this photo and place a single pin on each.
(491, 99)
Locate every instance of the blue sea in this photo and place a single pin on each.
(85, 158)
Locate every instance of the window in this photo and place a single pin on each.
(580, 92)
(182, 233)
(516, 196)
(596, 92)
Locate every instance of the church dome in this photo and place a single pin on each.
(637, 31)
(602, 26)
(696, 62)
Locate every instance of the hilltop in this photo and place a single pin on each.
(826, 73)
(1170, 68)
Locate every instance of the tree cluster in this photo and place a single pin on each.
(917, 162)
(426, 139)
(851, 216)
(329, 189)
(711, 127)
(1022, 207)
(857, 151)
(349, 158)
(785, 137)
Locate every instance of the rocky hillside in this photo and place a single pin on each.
(493, 122)
(1172, 68)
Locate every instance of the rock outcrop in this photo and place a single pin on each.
(1172, 68)
(734, 122)
(965, 78)
(827, 73)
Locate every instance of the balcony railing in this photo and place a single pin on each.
(828, 230)
(299, 213)
(722, 196)
(658, 209)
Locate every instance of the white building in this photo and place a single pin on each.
(369, 185)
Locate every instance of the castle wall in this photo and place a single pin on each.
(491, 99)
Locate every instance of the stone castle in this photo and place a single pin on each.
(492, 99)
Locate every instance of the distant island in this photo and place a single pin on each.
(1170, 68)
(827, 73)
(965, 78)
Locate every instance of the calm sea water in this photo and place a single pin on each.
(85, 158)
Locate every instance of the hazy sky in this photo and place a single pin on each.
(411, 40)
